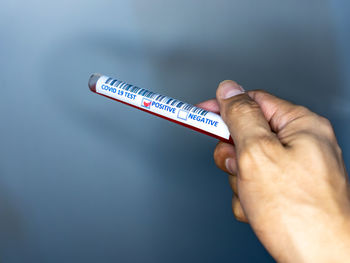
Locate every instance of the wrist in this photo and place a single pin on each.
(327, 239)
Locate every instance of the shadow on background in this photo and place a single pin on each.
(11, 226)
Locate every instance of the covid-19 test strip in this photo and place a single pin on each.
(162, 106)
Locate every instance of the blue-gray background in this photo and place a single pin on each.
(85, 179)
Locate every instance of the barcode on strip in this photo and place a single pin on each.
(155, 96)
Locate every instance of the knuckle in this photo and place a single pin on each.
(241, 106)
(261, 91)
(327, 127)
(297, 112)
(325, 121)
(310, 141)
(318, 159)
(238, 211)
(255, 148)
(245, 159)
(302, 110)
(264, 141)
(338, 150)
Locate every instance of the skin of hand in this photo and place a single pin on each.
(287, 174)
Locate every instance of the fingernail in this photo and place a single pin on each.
(228, 164)
(228, 89)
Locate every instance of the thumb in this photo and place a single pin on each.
(243, 116)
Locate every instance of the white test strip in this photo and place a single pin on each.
(163, 106)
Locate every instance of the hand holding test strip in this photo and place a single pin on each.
(285, 169)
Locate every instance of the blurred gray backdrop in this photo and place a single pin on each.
(85, 179)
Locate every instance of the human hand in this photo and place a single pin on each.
(287, 174)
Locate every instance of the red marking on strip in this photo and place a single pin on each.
(145, 103)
